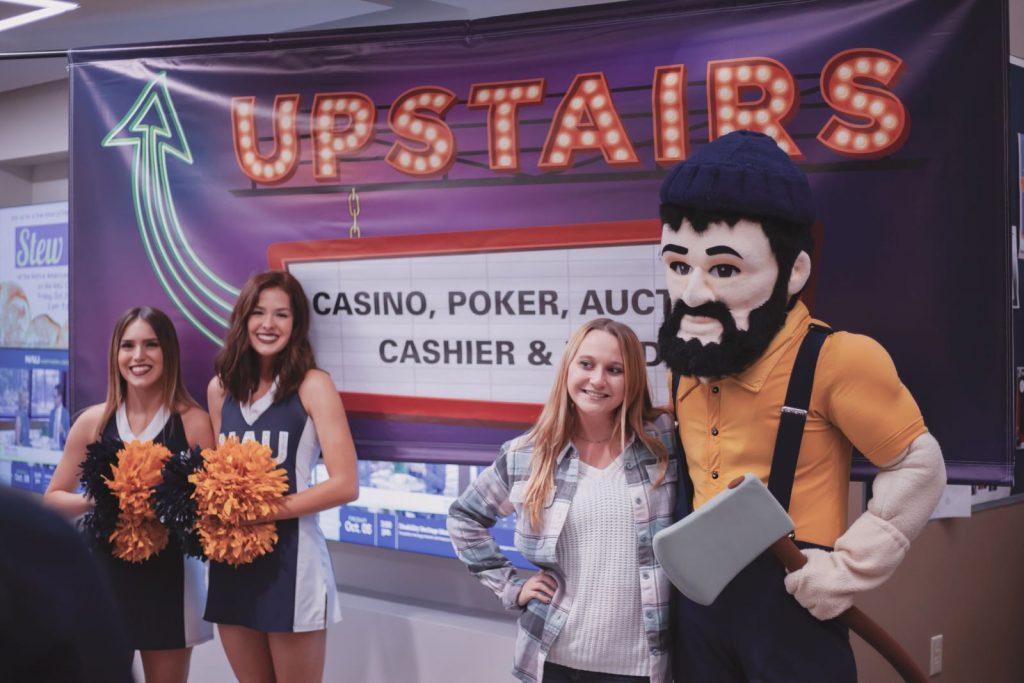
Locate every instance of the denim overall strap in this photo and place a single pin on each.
(794, 415)
(684, 490)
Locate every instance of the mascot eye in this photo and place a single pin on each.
(680, 267)
(725, 270)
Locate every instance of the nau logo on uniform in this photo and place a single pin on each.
(265, 437)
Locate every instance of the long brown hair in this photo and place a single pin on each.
(238, 366)
(173, 393)
(558, 420)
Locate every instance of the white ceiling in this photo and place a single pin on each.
(118, 22)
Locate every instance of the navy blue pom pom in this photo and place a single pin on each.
(173, 503)
(99, 523)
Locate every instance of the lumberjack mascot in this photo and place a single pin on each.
(736, 244)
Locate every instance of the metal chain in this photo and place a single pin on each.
(353, 209)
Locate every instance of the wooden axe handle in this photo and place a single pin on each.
(858, 622)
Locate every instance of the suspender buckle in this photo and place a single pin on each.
(794, 411)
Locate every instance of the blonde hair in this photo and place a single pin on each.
(558, 420)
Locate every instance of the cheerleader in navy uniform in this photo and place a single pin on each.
(272, 614)
(159, 599)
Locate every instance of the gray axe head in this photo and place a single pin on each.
(705, 550)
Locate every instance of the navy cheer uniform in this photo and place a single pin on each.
(291, 588)
(160, 599)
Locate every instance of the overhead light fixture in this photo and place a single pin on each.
(43, 10)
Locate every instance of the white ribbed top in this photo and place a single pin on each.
(597, 551)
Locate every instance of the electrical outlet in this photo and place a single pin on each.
(935, 656)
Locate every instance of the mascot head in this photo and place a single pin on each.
(736, 242)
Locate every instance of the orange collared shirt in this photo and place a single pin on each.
(728, 426)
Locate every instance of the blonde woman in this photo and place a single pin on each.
(590, 483)
(159, 600)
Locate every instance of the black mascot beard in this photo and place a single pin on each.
(738, 349)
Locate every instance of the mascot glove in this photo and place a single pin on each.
(865, 556)
(905, 494)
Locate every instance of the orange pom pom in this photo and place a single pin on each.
(239, 484)
(138, 534)
(235, 545)
(136, 540)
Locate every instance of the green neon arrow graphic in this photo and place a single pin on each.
(152, 127)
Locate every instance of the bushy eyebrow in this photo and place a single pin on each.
(722, 249)
(675, 248)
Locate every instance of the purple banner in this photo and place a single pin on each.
(189, 162)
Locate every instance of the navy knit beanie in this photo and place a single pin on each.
(744, 173)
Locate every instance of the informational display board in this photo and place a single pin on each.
(34, 419)
(468, 326)
(34, 254)
(404, 506)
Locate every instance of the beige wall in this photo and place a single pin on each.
(964, 579)
(34, 144)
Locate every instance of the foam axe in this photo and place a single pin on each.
(705, 550)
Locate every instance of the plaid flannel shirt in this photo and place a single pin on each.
(499, 491)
